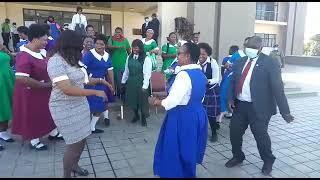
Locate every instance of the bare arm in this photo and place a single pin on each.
(111, 79)
(30, 82)
(70, 90)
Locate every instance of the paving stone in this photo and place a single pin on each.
(119, 164)
(84, 161)
(116, 157)
(303, 168)
(251, 169)
(276, 173)
(105, 174)
(288, 160)
(97, 152)
(292, 172)
(124, 172)
(102, 167)
(112, 150)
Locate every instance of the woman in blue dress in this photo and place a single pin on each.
(98, 63)
(183, 135)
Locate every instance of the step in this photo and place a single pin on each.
(292, 89)
(300, 94)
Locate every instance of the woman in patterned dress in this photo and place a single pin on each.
(212, 99)
(68, 104)
(31, 115)
(99, 65)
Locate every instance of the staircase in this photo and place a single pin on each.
(297, 92)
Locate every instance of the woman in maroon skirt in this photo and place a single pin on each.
(31, 115)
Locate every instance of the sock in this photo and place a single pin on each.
(34, 141)
(4, 135)
(54, 132)
(106, 114)
(93, 123)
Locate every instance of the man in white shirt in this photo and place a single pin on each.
(256, 89)
(79, 22)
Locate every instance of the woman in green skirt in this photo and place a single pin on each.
(120, 48)
(136, 76)
(6, 93)
(169, 52)
(151, 48)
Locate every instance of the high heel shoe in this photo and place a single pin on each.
(80, 172)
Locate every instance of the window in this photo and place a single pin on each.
(100, 22)
(267, 11)
(268, 40)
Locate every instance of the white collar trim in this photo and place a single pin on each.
(105, 56)
(206, 62)
(241, 53)
(50, 38)
(190, 66)
(40, 55)
(148, 42)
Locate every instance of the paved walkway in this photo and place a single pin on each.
(126, 150)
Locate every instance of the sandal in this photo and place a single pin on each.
(39, 146)
(80, 172)
(56, 137)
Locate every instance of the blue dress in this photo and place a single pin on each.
(54, 30)
(97, 67)
(183, 136)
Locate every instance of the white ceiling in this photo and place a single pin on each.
(140, 7)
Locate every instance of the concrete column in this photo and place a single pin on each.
(205, 22)
(167, 12)
(3, 15)
(295, 28)
(237, 23)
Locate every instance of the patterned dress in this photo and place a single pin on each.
(71, 114)
(31, 115)
(97, 67)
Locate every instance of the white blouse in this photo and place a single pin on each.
(78, 19)
(180, 91)
(147, 70)
(215, 70)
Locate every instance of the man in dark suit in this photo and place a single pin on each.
(145, 27)
(155, 25)
(255, 91)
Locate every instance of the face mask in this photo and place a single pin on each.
(147, 20)
(276, 49)
(251, 53)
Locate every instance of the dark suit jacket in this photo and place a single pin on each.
(266, 86)
(155, 25)
(144, 28)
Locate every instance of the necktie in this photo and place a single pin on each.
(202, 66)
(243, 77)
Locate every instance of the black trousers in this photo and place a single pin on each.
(6, 38)
(243, 116)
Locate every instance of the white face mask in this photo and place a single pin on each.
(251, 53)
(276, 49)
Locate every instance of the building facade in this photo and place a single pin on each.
(221, 24)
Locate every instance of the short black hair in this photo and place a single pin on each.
(36, 31)
(47, 28)
(79, 8)
(195, 33)
(50, 17)
(7, 19)
(14, 23)
(88, 26)
(233, 49)
(254, 42)
(69, 46)
(23, 30)
(154, 15)
(206, 47)
(194, 51)
(101, 37)
(118, 28)
(146, 17)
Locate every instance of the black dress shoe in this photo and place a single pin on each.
(233, 162)
(144, 122)
(107, 121)
(214, 138)
(98, 131)
(135, 119)
(267, 168)
(56, 137)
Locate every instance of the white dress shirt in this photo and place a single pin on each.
(215, 70)
(78, 19)
(147, 69)
(245, 95)
(181, 88)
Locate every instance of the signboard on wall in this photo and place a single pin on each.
(28, 23)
